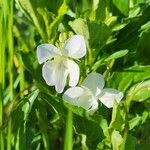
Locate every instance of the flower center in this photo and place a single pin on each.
(89, 92)
(100, 95)
(60, 58)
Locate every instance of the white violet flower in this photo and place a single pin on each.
(91, 90)
(58, 64)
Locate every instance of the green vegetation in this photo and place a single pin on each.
(33, 116)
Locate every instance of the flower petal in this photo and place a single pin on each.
(61, 73)
(48, 72)
(78, 96)
(75, 47)
(55, 73)
(95, 82)
(94, 107)
(109, 96)
(74, 73)
(72, 94)
(46, 51)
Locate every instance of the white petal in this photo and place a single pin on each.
(95, 82)
(55, 73)
(72, 94)
(48, 72)
(75, 47)
(46, 51)
(74, 73)
(61, 73)
(109, 96)
(94, 107)
(78, 96)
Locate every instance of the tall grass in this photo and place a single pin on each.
(2, 68)
(6, 61)
(10, 61)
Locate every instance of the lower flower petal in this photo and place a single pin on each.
(55, 73)
(61, 73)
(109, 96)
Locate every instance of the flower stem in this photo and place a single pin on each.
(69, 131)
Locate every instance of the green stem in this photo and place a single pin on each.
(126, 130)
(68, 143)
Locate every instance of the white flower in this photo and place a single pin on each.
(91, 90)
(58, 64)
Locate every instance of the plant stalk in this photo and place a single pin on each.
(68, 141)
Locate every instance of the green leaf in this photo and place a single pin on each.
(24, 107)
(134, 122)
(54, 103)
(130, 143)
(99, 33)
(124, 79)
(89, 128)
(141, 91)
(144, 117)
(122, 5)
(53, 26)
(145, 27)
(116, 140)
(42, 120)
(142, 95)
(45, 21)
(128, 37)
(116, 55)
(117, 121)
(29, 7)
(20, 117)
(144, 44)
(80, 27)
